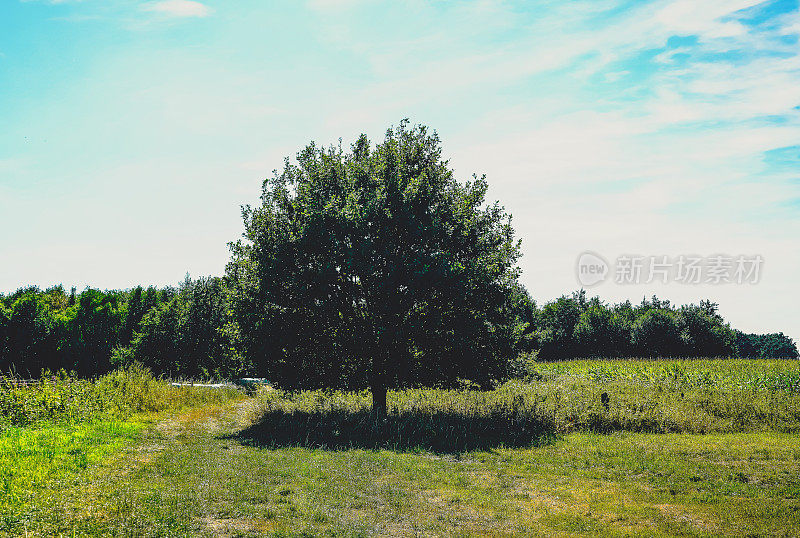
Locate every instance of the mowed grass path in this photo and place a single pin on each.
(191, 476)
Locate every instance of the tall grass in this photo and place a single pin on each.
(64, 399)
(692, 396)
(598, 396)
(725, 374)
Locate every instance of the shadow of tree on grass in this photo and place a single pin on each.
(442, 432)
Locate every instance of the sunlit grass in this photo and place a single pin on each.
(727, 374)
(201, 482)
(35, 458)
(57, 430)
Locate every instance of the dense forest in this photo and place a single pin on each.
(190, 330)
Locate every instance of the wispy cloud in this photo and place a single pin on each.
(179, 8)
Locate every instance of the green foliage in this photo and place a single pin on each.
(601, 332)
(656, 333)
(192, 331)
(136, 390)
(765, 346)
(53, 330)
(574, 327)
(191, 335)
(375, 267)
(372, 267)
(95, 329)
(556, 325)
(30, 331)
(64, 399)
(187, 331)
(57, 398)
(678, 375)
(696, 396)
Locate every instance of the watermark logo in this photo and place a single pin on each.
(717, 269)
(591, 269)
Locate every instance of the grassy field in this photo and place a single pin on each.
(679, 448)
(47, 457)
(58, 430)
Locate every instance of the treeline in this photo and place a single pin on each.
(190, 330)
(181, 331)
(53, 329)
(574, 326)
(765, 346)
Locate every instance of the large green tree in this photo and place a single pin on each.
(376, 268)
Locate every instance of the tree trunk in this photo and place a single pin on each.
(379, 402)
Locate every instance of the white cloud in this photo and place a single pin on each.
(179, 8)
(326, 5)
(687, 17)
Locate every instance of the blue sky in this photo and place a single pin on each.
(133, 130)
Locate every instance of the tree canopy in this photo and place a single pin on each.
(375, 267)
